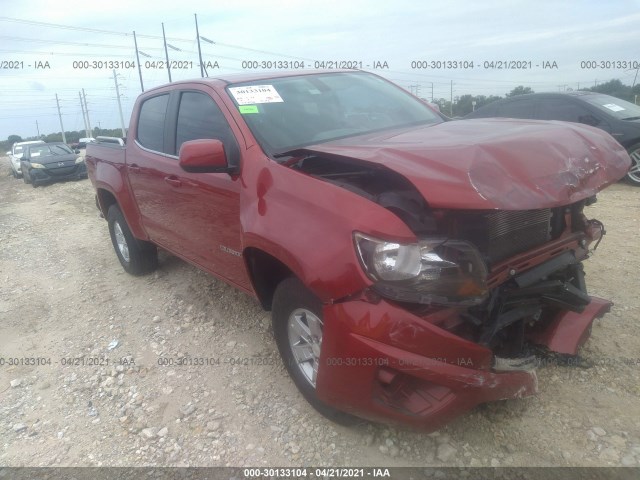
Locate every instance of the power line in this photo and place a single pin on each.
(153, 37)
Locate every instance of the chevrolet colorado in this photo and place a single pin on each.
(412, 265)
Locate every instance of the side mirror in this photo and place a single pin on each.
(204, 156)
(77, 150)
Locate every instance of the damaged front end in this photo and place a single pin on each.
(453, 319)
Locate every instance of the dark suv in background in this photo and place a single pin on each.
(618, 117)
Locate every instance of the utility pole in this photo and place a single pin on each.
(87, 109)
(115, 80)
(135, 42)
(38, 128)
(451, 104)
(84, 118)
(64, 137)
(166, 52)
(199, 51)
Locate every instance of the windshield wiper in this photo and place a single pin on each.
(287, 153)
(632, 118)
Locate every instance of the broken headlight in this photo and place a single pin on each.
(433, 270)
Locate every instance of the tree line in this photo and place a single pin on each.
(461, 106)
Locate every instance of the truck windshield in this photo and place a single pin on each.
(292, 112)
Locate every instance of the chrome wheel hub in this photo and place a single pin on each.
(121, 241)
(304, 330)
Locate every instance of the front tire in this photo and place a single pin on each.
(137, 257)
(633, 176)
(297, 325)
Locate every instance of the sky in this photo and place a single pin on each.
(450, 48)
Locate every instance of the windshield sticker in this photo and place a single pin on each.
(244, 109)
(613, 107)
(255, 94)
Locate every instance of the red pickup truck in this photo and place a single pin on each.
(413, 265)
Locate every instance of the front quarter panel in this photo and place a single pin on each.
(308, 224)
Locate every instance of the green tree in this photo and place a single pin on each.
(617, 89)
(519, 90)
(13, 139)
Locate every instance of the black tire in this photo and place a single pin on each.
(633, 177)
(291, 295)
(142, 256)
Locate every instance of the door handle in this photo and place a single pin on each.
(133, 168)
(173, 181)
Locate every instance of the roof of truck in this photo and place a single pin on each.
(226, 79)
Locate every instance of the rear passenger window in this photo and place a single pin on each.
(516, 109)
(200, 117)
(151, 122)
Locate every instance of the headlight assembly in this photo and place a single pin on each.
(37, 165)
(79, 160)
(433, 270)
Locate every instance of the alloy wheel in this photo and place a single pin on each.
(634, 171)
(304, 330)
(121, 241)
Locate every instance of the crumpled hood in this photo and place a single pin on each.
(494, 163)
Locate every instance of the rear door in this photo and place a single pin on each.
(148, 164)
(194, 215)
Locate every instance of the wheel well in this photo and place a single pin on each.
(105, 200)
(266, 273)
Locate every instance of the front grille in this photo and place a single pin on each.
(501, 234)
(57, 172)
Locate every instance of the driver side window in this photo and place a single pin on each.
(200, 117)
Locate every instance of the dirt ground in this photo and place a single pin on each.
(88, 389)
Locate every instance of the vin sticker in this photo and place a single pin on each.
(255, 94)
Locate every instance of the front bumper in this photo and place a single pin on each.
(383, 363)
(48, 175)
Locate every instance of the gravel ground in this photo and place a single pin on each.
(64, 296)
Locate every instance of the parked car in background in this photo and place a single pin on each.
(82, 143)
(618, 117)
(15, 155)
(50, 162)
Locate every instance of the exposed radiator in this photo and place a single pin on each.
(503, 233)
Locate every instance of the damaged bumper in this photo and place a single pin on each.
(383, 363)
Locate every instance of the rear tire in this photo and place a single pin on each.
(137, 257)
(633, 176)
(297, 323)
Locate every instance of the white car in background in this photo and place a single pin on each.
(15, 155)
